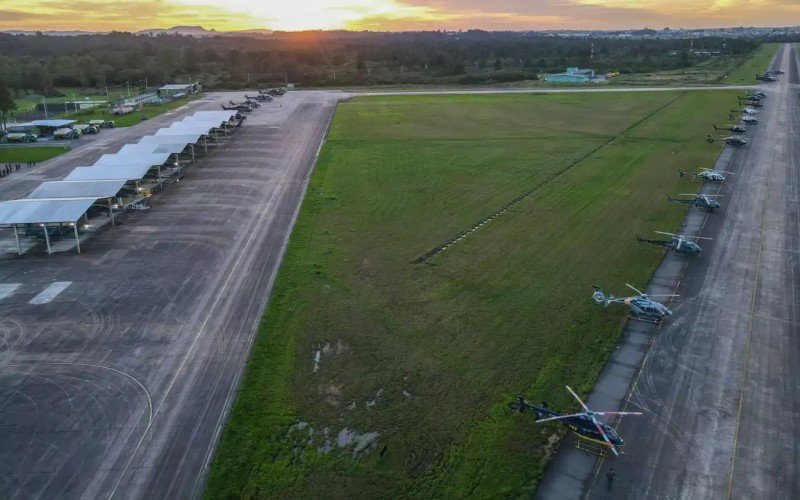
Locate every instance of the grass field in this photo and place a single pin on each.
(760, 61)
(130, 119)
(375, 376)
(26, 154)
(715, 70)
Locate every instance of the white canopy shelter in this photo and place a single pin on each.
(134, 157)
(43, 212)
(78, 189)
(109, 173)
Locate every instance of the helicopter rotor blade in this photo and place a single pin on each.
(585, 408)
(720, 171)
(560, 417)
(664, 295)
(634, 289)
(668, 234)
(605, 438)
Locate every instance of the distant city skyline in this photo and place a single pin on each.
(394, 15)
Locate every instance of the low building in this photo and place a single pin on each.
(573, 75)
(177, 90)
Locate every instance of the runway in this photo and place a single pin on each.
(719, 382)
(118, 366)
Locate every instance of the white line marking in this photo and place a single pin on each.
(7, 289)
(50, 293)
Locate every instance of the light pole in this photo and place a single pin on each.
(44, 104)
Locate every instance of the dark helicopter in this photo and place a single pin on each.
(766, 77)
(752, 102)
(752, 96)
(730, 140)
(707, 175)
(251, 101)
(584, 424)
(678, 243)
(242, 108)
(758, 94)
(251, 105)
(735, 128)
(643, 307)
(258, 97)
(702, 201)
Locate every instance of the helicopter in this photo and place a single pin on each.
(750, 120)
(736, 129)
(585, 424)
(747, 110)
(730, 140)
(756, 94)
(254, 101)
(774, 72)
(702, 201)
(259, 97)
(766, 77)
(678, 243)
(249, 104)
(753, 103)
(751, 97)
(643, 307)
(237, 107)
(707, 175)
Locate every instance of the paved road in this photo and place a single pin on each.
(547, 90)
(118, 366)
(719, 385)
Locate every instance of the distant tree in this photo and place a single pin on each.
(360, 64)
(7, 104)
(497, 64)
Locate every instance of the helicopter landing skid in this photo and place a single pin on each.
(590, 447)
(646, 319)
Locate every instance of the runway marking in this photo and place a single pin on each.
(50, 293)
(6, 289)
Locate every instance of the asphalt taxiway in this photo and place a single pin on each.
(718, 382)
(117, 366)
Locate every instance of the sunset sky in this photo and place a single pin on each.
(377, 15)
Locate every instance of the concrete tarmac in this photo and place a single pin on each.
(718, 384)
(116, 380)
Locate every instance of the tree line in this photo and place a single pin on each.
(40, 64)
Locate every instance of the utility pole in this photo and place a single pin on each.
(286, 78)
(145, 84)
(44, 103)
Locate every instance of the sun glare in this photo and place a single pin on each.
(321, 14)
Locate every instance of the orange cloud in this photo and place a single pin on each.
(133, 15)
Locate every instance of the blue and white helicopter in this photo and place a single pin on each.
(642, 306)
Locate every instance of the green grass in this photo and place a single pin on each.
(714, 70)
(26, 154)
(758, 63)
(130, 119)
(447, 343)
